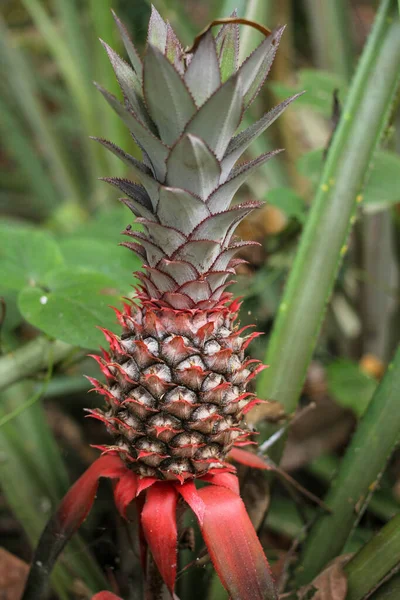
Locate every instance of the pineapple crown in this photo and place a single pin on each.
(183, 111)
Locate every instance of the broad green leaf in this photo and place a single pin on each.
(12, 316)
(104, 258)
(289, 202)
(319, 86)
(350, 386)
(107, 225)
(382, 185)
(70, 305)
(26, 255)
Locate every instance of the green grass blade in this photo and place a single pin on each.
(24, 90)
(323, 243)
(79, 84)
(359, 472)
(329, 24)
(19, 145)
(259, 11)
(374, 561)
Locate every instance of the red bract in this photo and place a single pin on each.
(229, 535)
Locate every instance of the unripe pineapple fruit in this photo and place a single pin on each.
(177, 376)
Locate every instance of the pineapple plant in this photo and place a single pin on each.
(176, 377)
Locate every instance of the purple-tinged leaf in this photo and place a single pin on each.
(222, 197)
(216, 227)
(242, 141)
(193, 166)
(168, 100)
(174, 51)
(218, 119)
(157, 31)
(129, 47)
(254, 70)
(180, 209)
(227, 42)
(143, 136)
(130, 85)
(203, 82)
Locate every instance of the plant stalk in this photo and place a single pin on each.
(359, 473)
(31, 358)
(374, 561)
(323, 243)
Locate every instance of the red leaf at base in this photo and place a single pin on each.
(234, 547)
(159, 526)
(71, 513)
(249, 459)
(106, 596)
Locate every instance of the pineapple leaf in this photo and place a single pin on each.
(69, 306)
(193, 167)
(174, 50)
(129, 47)
(130, 85)
(227, 42)
(144, 138)
(180, 209)
(203, 76)
(26, 255)
(140, 170)
(199, 253)
(242, 141)
(218, 119)
(157, 32)
(254, 70)
(217, 226)
(167, 238)
(222, 197)
(139, 203)
(168, 100)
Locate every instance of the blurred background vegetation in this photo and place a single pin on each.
(59, 230)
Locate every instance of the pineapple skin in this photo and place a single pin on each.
(177, 376)
(176, 389)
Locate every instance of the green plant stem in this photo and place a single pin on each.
(358, 476)
(323, 243)
(390, 590)
(30, 358)
(374, 561)
(329, 24)
(259, 11)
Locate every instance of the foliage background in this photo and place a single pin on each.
(61, 268)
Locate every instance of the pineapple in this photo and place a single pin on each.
(177, 375)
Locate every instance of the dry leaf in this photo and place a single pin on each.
(13, 574)
(331, 584)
